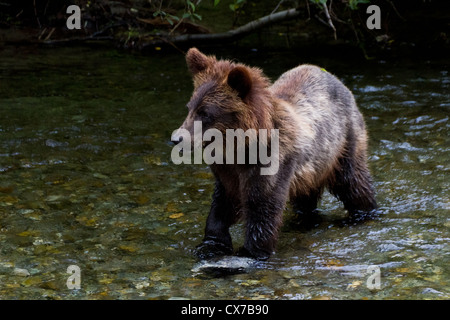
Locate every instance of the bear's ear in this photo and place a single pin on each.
(240, 80)
(197, 61)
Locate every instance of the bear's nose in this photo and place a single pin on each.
(177, 136)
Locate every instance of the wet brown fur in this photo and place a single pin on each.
(323, 144)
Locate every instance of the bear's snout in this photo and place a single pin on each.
(177, 136)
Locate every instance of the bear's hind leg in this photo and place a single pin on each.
(352, 184)
(306, 204)
(305, 207)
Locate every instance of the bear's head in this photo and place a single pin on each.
(226, 95)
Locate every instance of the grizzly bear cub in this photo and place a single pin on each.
(322, 143)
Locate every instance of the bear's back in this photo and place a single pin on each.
(309, 84)
(326, 116)
(319, 97)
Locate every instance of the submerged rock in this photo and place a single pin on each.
(21, 272)
(226, 265)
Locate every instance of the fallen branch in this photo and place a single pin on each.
(70, 41)
(96, 36)
(227, 36)
(230, 35)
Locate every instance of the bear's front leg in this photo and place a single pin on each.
(266, 199)
(217, 240)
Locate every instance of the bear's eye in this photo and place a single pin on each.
(204, 116)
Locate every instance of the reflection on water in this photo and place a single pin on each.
(86, 180)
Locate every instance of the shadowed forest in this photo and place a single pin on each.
(405, 27)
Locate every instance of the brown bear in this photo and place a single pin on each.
(322, 143)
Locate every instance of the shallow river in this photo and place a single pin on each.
(86, 180)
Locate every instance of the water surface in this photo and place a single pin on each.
(86, 179)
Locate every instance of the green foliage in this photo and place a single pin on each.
(190, 12)
(237, 4)
(166, 16)
(352, 4)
